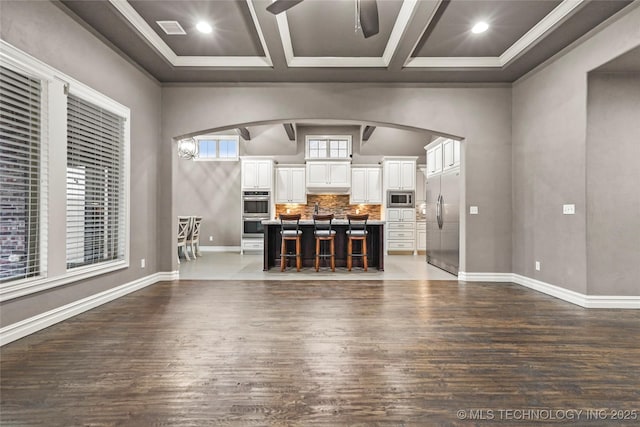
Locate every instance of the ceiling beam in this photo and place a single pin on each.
(366, 133)
(244, 133)
(291, 132)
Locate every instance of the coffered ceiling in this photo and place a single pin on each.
(427, 41)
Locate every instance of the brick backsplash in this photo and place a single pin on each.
(337, 204)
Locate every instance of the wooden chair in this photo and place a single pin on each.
(184, 228)
(193, 238)
(323, 233)
(290, 231)
(357, 231)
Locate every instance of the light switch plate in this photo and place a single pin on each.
(473, 210)
(537, 265)
(142, 263)
(569, 209)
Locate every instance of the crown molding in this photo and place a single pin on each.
(131, 15)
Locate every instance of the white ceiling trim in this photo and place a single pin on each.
(402, 22)
(399, 27)
(563, 11)
(455, 62)
(285, 36)
(537, 32)
(336, 61)
(156, 41)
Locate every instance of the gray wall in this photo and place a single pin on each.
(613, 177)
(212, 189)
(47, 33)
(549, 158)
(481, 115)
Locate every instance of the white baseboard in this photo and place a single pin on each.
(549, 289)
(219, 248)
(485, 277)
(587, 301)
(33, 324)
(612, 301)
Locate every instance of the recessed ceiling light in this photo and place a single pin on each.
(480, 27)
(204, 27)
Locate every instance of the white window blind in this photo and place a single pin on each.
(20, 159)
(95, 185)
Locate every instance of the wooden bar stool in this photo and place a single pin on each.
(290, 231)
(323, 232)
(357, 231)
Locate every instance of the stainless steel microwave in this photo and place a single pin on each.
(400, 199)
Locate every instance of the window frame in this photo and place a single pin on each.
(55, 86)
(17, 66)
(217, 139)
(328, 139)
(99, 100)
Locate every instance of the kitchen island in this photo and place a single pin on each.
(375, 244)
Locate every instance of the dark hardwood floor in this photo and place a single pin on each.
(343, 353)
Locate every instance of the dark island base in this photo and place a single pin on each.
(375, 247)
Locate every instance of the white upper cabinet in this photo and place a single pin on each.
(257, 174)
(366, 185)
(400, 174)
(434, 160)
(329, 175)
(290, 185)
(442, 156)
(451, 154)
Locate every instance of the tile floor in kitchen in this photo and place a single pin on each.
(233, 266)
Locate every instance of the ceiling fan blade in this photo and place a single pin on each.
(369, 18)
(280, 6)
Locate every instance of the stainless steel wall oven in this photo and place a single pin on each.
(256, 203)
(256, 207)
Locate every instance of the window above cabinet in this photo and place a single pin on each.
(217, 147)
(323, 147)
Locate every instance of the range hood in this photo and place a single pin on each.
(329, 190)
(328, 177)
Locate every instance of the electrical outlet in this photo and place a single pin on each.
(142, 263)
(473, 210)
(568, 209)
(211, 238)
(537, 265)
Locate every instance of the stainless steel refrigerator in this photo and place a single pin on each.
(443, 221)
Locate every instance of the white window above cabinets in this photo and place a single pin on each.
(217, 147)
(328, 147)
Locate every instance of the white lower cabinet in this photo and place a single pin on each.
(252, 245)
(421, 236)
(401, 230)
